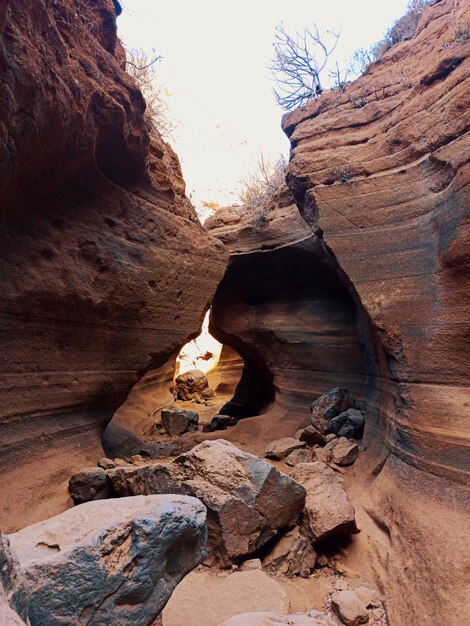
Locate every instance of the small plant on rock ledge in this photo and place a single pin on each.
(342, 173)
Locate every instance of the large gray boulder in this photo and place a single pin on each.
(248, 500)
(14, 592)
(328, 510)
(110, 561)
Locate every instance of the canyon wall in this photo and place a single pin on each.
(380, 170)
(105, 270)
(284, 306)
(372, 290)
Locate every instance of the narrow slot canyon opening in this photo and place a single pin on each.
(206, 377)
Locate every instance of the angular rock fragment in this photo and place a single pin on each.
(88, 484)
(220, 422)
(349, 608)
(280, 448)
(248, 500)
(179, 421)
(312, 436)
(14, 591)
(329, 405)
(348, 424)
(328, 510)
(312, 618)
(344, 452)
(110, 561)
(292, 555)
(144, 480)
(106, 463)
(369, 597)
(250, 564)
(302, 455)
(192, 386)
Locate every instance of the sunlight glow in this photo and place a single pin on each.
(202, 353)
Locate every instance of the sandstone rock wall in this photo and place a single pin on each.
(381, 171)
(285, 305)
(105, 270)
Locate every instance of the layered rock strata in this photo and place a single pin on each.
(380, 171)
(285, 306)
(105, 269)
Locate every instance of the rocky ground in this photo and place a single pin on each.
(273, 550)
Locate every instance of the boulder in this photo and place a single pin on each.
(280, 448)
(179, 421)
(369, 596)
(312, 436)
(328, 511)
(348, 424)
(192, 386)
(88, 484)
(329, 405)
(348, 607)
(250, 564)
(292, 555)
(203, 599)
(106, 463)
(302, 455)
(110, 561)
(144, 480)
(220, 422)
(344, 452)
(248, 500)
(312, 618)
(14, 591)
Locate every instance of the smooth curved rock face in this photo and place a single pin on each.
(285, 308)
(132, 428)
(111, 562)
(381, 169)
(14, 592)
(386, 185)
(105, 269)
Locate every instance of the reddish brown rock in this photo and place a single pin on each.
(380, 170)
(280, 448)
(248, 500)
(398, 225)
(328, 510)
(98, 241)
(284, 307)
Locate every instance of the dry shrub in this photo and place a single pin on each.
(260, 187)
(143, 70)
(402, 30)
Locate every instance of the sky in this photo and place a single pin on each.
(215, 76)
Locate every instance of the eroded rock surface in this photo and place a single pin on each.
(110, 562)
(94, 213)
(312, 618)
(381, 173)
(14, 591)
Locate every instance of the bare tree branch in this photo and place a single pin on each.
(297, 63)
